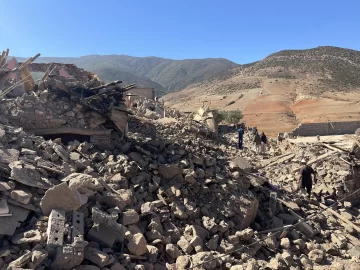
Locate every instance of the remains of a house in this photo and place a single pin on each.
(90, 183)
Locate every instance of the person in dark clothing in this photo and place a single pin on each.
(241, 137)
(305, 181)
(257, 142)
(254, 131)
(263, 142)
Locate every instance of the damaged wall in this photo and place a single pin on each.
(149, 93)
(326, 128)
(68, 71)
(46, 111)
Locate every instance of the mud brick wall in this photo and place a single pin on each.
(47, 111)
(64, 70)
(326, 128)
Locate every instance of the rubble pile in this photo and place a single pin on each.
(165, 196)
(337, 167)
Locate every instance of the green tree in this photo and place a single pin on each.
(219, 116)
(233, 117)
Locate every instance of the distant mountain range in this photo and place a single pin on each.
(165, 75)
(284, 89)
(332, 66)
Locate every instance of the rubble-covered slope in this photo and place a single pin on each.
(166, 196)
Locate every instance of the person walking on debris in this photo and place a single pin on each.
(263, 142)
(257, 142)
(279, 139)
(305, 181)
(241, 136)
(254, 131)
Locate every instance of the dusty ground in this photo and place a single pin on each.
(276, 105)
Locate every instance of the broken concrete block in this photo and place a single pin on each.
(130, 217)
(59, 197)
(8, 155)
(21, 261)
(4, 186)
(56, 227)
(21, 196)
(70, 256)
(169, 171)
(114, 199)
(102, 235)
(10, 223)
(32, 236)
(108, 221)
(77, 228)
(28, 175)
(61, 152)
(97, 257)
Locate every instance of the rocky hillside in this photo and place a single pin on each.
(160, 73)
(336, 66)
(284, 89)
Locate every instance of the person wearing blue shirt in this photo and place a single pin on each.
(241, 136)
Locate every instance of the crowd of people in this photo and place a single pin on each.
(260, 140)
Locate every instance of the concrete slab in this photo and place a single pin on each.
(9, 224)
(56, 227)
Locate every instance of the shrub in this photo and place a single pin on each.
(233, 117)
(230, 103)
(219, 116)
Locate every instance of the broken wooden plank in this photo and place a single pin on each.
(334, 148)
(276, 229)
(336, 214)
(317, 159)
(281, 159)
(291, 205)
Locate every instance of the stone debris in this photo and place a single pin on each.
(89, 183)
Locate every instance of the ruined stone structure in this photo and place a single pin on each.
(148, 93)
(68, 71)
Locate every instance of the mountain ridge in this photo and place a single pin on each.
(161, 73)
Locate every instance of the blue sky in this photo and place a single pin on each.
(242, 31)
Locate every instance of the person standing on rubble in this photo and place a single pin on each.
(241, 136)
(263, 142)
(257, 142)
(305, 181)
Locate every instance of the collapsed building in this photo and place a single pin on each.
(78, 194)
(67, 102)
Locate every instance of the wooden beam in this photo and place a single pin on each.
(333, 148)
(281, 159)
(336, 214)
(317, 159)
(291, 205)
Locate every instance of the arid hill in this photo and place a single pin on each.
(165, 75)
(284, 89)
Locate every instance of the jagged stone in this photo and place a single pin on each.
(60, 197)
(137, 244)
